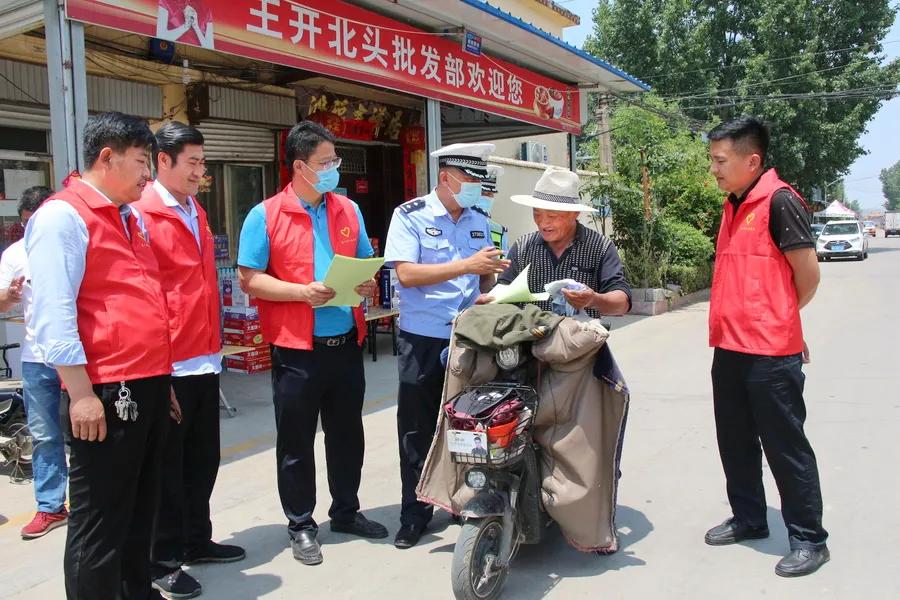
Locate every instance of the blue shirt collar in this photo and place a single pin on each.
(306, 205)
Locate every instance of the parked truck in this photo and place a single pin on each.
(891, 222)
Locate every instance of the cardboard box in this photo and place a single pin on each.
(245, 325)
(250, 369)
(248, 364)
(241, 313)
(256, 355)
(233, 295)
(234, 337)
(389, 284)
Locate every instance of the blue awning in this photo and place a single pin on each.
(514, 40)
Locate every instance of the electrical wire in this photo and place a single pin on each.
(772, 60)
(688, 96)
(15, 85)
(824, 96)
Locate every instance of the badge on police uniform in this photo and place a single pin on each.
(433, 231)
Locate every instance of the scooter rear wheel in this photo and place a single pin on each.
(473, 575)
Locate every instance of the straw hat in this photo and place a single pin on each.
(557, 189)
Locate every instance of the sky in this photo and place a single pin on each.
(861, 182)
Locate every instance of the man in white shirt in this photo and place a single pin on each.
(40, 385)
(183, 244)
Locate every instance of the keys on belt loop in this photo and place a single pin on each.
(126, 407)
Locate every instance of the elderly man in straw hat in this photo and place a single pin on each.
(563, 248)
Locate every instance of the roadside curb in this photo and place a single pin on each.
(659, 301)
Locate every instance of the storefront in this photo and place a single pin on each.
(392, 80)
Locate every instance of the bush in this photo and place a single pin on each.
(691, 278)
(687, 246)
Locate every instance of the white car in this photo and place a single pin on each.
(842, 239)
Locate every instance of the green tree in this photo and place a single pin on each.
(686, 202)
(836, 192)
(718, 60)
(890, 185)
(854, 206)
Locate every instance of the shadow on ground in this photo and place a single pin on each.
(262, 543)
(540, 568)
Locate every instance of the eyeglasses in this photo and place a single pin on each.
(331, 164)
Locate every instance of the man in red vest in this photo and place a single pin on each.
(100, 319)
(183, 245)
(766, 271)
(287, 244)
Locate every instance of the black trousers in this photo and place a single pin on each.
(760, 399)
(191, 464)
(418, 404)
(113, 489)
(326, 381)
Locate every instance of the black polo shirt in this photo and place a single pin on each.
(591, 259)
(788, 219)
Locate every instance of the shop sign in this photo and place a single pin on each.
(343, 40)
(472, 43)
(355, 118)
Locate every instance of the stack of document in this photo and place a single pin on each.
(345, 274)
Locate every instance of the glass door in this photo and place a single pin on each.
(245, 187)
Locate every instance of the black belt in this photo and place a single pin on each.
(336, 340)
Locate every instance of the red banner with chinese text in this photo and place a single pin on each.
(342, 40)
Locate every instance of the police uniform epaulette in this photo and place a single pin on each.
(481, 210)
(413, 205)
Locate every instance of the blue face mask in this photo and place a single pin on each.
(328, 180)
(485, 203)
(469, 193)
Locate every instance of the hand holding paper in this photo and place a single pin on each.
(317, 294)
(347, 274)
(516, 291)
(367, 288)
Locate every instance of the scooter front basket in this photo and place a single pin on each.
(498, 438)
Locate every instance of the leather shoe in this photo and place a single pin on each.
(408, 536)
(362, 527)
(733, 531)
(306, 548)
(802, 561)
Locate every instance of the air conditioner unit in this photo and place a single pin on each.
(535, 152)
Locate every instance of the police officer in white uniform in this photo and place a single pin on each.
(442, 252)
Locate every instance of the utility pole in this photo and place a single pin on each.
(645, 180)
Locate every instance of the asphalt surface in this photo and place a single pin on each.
(672, 488)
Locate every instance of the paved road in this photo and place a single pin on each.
(671, 492)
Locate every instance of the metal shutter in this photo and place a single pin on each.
(28, 117)
(20, 15)
(27, 83)
(230, 142)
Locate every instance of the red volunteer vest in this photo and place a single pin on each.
(122, 318)
(187, 274)
(753, 304)
(289, 226)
